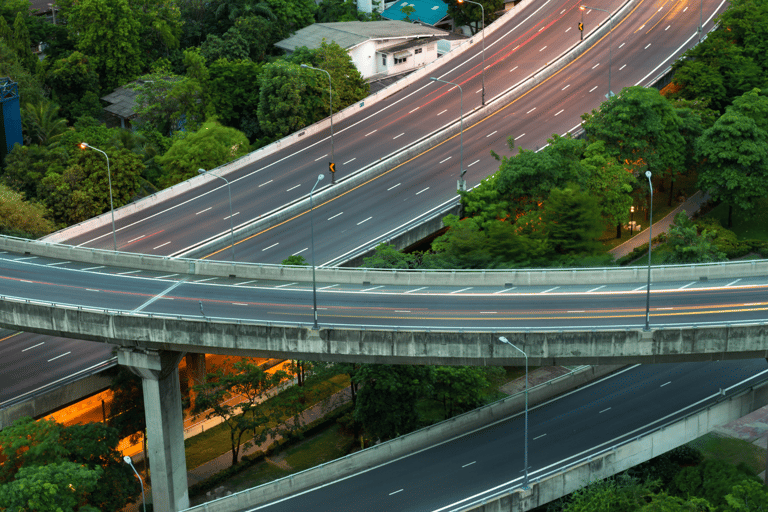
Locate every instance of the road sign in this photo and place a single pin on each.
(332, 167)
(581, 27)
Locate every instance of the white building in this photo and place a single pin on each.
(377, 48)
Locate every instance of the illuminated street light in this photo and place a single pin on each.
(460, 184)
(505, 340)
(85, 145)
(332, 165)
(483, 30)
(610, 43)
(128, 461)
(231, 222)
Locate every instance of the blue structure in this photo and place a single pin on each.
(429, 12)
(10, 121)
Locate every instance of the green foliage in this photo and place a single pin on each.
(161, 27)
(287, 101)
(10, 65)
(734, 168)
(261, 34)
(74, 84)
(711, 480)
(407, 10)
(234, 94)
(293, 14)
(383, 386)
(248, 382)
(209, 147)
(471, 15)
(26, 166)
(688, 245)
(20, 217)
(232, 46)
(81, 191)
(167, 103)
(618, 494)
(126, 412)
(460, 388)
(572, 221)
(51, 467)
(109, 32)
(386, 256)
(55, 487)
(296, 259)
(748, 496)
(641, 129)
(41, 123)
(330, 11)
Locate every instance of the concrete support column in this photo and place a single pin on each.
(159, 371)
(196, 372)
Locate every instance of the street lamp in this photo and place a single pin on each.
(505, 340)
(700, 27)
(312, 231)
(483, 38)
(650, 242)
(231, 222)
(460, 183)
(85, 145)
(610, 43)
(128, 461)
(632, 220)
(330, 105)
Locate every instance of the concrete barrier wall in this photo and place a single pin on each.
(408, 444)
(266, 151)
(362, 276)
(49, 401)
(625, 456)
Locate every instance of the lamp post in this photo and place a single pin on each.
(231, 222)
(610, 43)
(700, 27)
(650, 242)
(581, 25)
(482, 9)
(85, 145)
(128, 461)
(460, 183)
(505, 340)
(332, 166)
(312, 231)
(632, 220)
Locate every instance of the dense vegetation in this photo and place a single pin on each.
(212, 86)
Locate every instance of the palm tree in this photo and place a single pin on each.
(42, 123)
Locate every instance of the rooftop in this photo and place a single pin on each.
(427, 11)
(349, 34)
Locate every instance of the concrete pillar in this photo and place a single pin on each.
(195, 373)
(159, 372)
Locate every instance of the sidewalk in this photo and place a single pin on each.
(691, 205)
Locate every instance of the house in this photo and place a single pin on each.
(377, 48)
(427, 12)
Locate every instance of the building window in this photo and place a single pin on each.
(400, 61)
(384, 60)
(417, 50)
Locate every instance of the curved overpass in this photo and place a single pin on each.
(595, 316)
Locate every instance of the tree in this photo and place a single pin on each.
(573, 222)
(386, 256)
(160, 22)
(234, 94)
(287, 102)
(640, 128)
(734, 169)
(41, 122)
(747, 496)
(109, 32)
(55, 487)
(296, 259)
(690, 246)
(82, 190)
(711, 480)
(348, 85)
(74, 85)
(75, 465)
(261, 34)
(331, 11)
(22, 218)
(460, 388)
(248, 382)
(210, 146)
(618, 494)
(471, 15)
(293, 14)
(167, 103)
(407, 10)
(232, 46)
(384, 386)
(609, 182)
(26, 166)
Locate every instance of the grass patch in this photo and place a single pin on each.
(731, 450)
(212, 443)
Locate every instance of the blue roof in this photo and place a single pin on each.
(427, 11)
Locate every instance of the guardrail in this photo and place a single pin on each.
(366, 276)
